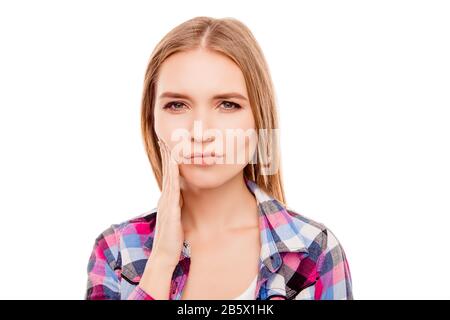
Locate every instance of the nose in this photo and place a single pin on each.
(200, 134)
(201, 138)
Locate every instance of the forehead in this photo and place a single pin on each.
(201, 74)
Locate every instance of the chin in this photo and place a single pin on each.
(207, 177)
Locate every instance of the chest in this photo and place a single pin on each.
(222, 268)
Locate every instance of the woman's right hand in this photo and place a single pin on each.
(169, 236)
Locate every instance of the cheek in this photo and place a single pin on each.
(246, 141)
(246, 147)
(240, 120)
(160, 127)
(167, 126)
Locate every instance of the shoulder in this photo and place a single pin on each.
(128, 233)
(134, 224)
(319, 239)
(326, 259)
(140, 224)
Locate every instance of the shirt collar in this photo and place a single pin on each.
(277, 228)
(278, 232)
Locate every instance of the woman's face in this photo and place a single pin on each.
(201, 107)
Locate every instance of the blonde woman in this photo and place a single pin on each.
(221, 228)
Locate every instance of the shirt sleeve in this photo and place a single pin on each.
(334, 278)
(139, 294)
(103, 272)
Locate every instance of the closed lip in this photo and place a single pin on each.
(203, 155)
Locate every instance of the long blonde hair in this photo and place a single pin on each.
(232, 38)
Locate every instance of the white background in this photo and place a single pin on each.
(363, 89)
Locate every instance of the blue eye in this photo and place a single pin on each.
(177, 106)
(229, 103)
(174, 103)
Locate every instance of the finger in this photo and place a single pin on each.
(168, 168)
(163, 164)
(162, 161)
(174, 173)
(166, 156)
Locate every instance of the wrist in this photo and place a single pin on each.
(162, 261)
(157, 277)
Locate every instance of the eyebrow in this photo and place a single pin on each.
(227, 95)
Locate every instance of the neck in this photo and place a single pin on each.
(215, 210)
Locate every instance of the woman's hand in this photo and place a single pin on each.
(169, 235)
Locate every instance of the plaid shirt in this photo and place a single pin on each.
(299, 258)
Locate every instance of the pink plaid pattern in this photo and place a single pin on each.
(300, 259)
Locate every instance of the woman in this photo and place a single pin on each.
(221, 228)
